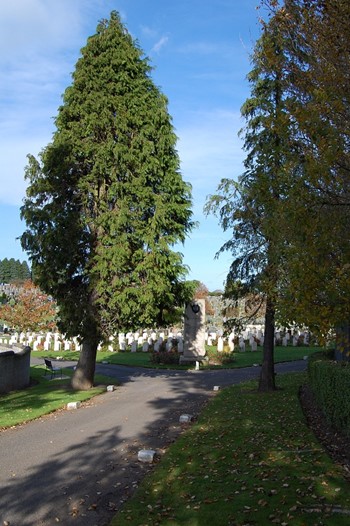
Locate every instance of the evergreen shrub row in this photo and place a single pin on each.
(330, 384)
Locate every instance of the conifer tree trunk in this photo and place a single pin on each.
(83, 377)
(267, 375)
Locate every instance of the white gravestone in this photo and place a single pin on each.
(241, 345)
(231, 342)
(220, 344)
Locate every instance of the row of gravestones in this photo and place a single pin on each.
(146, 341)
(252, 336)
(132, 341)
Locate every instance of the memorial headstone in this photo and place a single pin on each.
(241, 345)
(220, 344)
(194, 331)
(231, 342)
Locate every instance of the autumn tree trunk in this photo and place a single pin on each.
(267, 374)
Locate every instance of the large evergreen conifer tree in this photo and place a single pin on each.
(106, 201)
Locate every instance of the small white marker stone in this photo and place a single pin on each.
(110, 388)
(146, 455)
(105, 362)
(216, 388)
(73, 405)
(197, 366)
(306, 357)
(184, 419)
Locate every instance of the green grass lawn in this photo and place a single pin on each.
(140, 359)
(250, 459)
(45, 396)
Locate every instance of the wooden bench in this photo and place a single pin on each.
(52, 368)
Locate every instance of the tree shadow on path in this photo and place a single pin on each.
(79, 467)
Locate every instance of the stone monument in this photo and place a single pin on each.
(194, 332)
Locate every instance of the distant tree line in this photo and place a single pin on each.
(13, 270)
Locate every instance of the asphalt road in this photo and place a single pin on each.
(78, 467)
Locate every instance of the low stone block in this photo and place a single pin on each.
(184, 419)
(73, 405)
(110, 388)
(146, 455)
(216, 388)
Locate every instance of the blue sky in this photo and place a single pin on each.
(200, 51)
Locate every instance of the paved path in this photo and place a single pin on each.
(78, 467)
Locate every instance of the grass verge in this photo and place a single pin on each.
(43, 397)
(249, 460)
(141, 359)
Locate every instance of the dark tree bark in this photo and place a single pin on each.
(342, 344)
(267, 375)
(83, 377)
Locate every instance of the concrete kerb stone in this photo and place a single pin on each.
(185, 419)
(73, 405)
(146, 455)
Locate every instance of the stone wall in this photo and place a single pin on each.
(14, 368)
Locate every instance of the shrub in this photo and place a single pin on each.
(220, 358)
(165, 357)
(330, 383)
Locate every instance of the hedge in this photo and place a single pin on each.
(330, 384)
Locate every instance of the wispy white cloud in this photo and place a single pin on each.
(13, 159)
(39, 36)
(160, 44)
(41, 40)
(30, 27)
(148, 31)
(210, 149)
